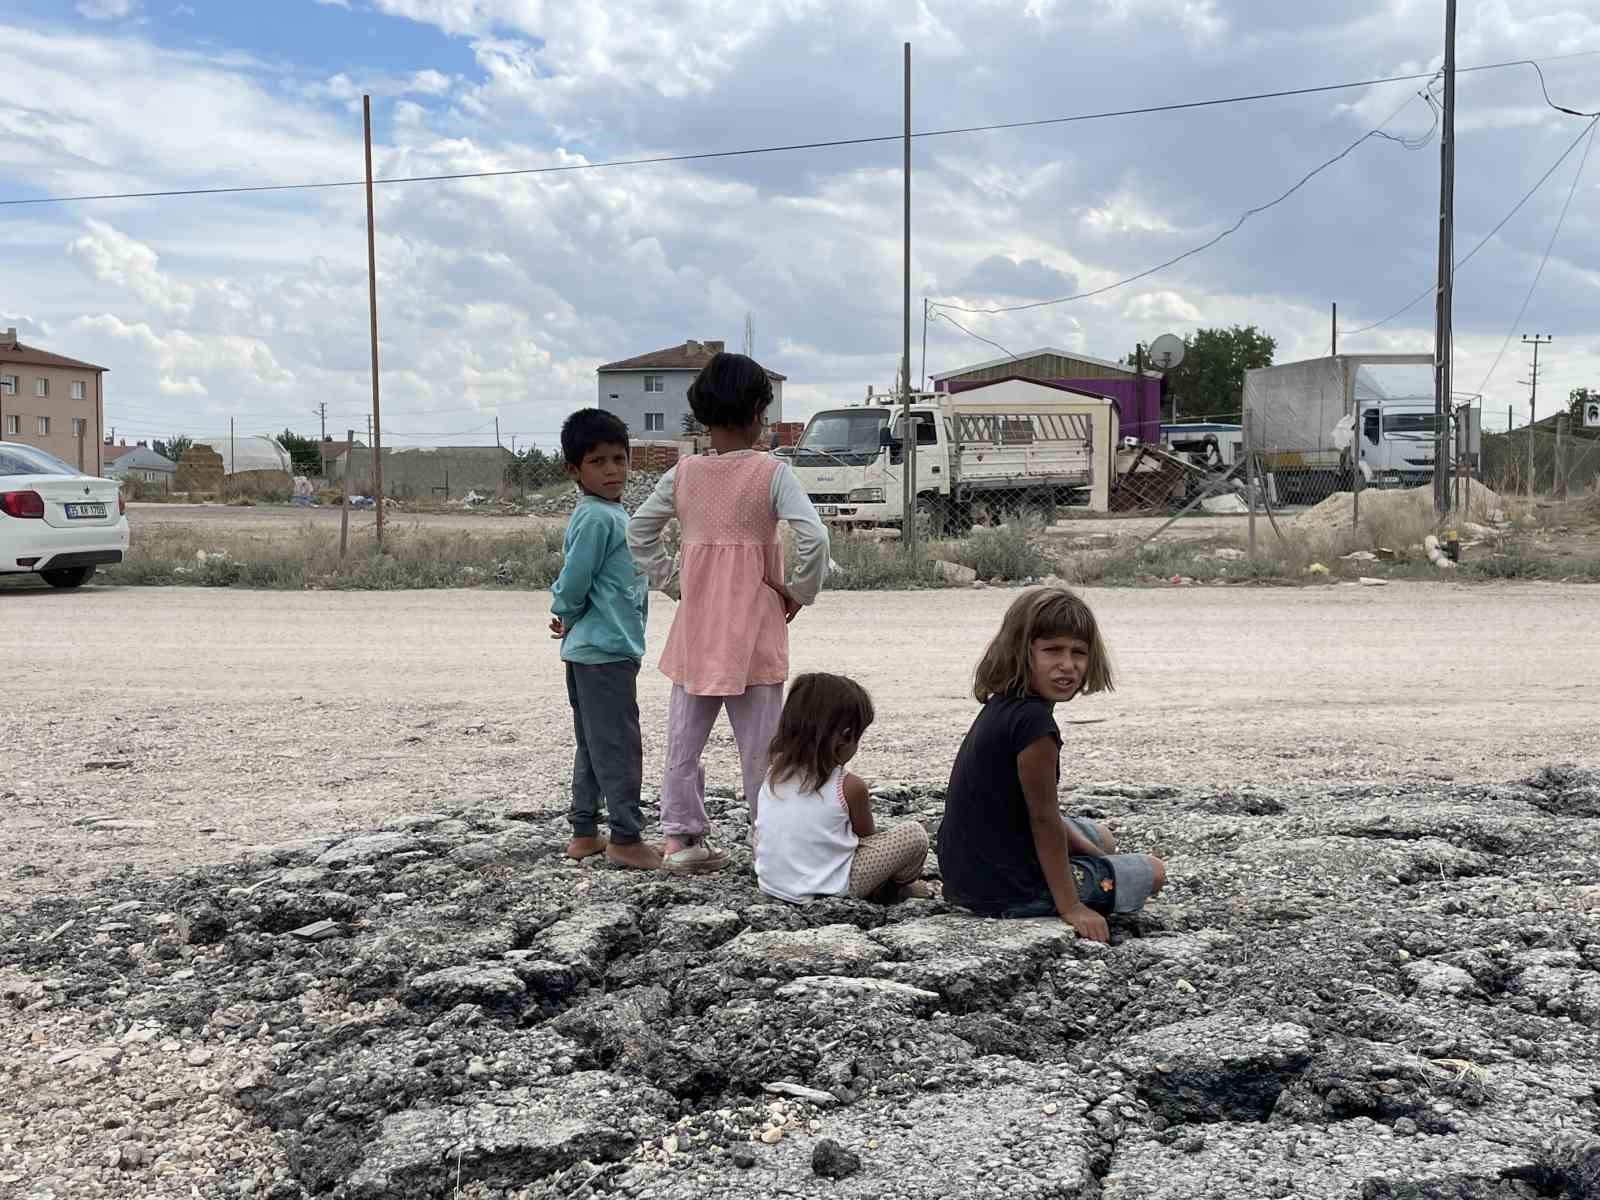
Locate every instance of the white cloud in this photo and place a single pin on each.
(113, 257)
(499, 296)
(107, 10)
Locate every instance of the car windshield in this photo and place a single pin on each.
(25, 460)
(844, 432)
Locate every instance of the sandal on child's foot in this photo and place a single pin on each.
(702, 858)
(637, 856)
(580, 848)
(916, 890)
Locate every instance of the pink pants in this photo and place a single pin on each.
(754, 717)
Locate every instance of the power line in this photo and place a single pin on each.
(1487, 238)
(946, 316)
(1204, 246)
(1549, 247)
(835, 143)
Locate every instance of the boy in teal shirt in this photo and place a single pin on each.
(598, 612)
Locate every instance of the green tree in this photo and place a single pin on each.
(173, 447)
(692, 427)
(1577, 398)
(1209, 383)
(305, 453)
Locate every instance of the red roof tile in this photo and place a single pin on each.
(29, 357)
(690, 356)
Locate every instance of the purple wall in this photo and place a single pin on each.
(1138, 414)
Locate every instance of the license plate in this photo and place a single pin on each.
(827, 510)
(78, 512)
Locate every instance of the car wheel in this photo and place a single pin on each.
(67, 577)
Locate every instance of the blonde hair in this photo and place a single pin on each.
(1040, 613)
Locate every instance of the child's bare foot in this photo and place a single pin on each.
(638, 856)
(915, 890)
(580, 848)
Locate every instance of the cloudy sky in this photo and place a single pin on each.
(500, 296)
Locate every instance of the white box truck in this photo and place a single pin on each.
(1318, 421)
(1009, 448)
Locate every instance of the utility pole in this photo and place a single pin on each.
(1537, 340)
(376, 426)
(497, 433)
(1442, 332)
(1333, 342)
(322, 409)
(908, 514)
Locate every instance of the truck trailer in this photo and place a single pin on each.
(1319, 421)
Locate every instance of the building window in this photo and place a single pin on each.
(78, 427)
(14, 426)
(655, 383)
(79, 392)
(44, 426)
(8, 385)
(655, 422)
(41, 387)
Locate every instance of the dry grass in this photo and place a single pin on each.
(307, 558)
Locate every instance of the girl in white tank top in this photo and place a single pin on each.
(814, 830)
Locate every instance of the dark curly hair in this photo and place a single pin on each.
(588, 428)
(731, 391)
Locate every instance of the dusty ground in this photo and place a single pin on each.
(1373, 973)
(255, 716)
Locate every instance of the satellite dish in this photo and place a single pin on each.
(1166, 351)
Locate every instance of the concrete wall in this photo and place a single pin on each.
(622, 393)
(58, 407)
(419, 474)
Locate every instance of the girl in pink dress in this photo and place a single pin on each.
(729, 643)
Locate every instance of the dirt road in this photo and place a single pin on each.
(245, 717)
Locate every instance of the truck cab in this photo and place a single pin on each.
(1395, 442)
(851, 461)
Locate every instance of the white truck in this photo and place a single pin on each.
(1319, 421)
(1009, 448)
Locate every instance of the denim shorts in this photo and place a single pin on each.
(1114, 883)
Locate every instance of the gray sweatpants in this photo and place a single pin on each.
(609, 761)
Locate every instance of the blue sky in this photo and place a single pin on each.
(499, 297)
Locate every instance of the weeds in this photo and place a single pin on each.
(308, 559)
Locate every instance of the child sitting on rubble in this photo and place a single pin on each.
(814, 831)
(1004, 849)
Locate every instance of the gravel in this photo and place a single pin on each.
(1372, 974)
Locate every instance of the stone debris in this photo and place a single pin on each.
(1345, 993)
(830, 1160)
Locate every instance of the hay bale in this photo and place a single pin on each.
(199, 472)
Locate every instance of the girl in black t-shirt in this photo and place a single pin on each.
(1004, 849)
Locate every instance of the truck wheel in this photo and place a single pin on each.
(930, 517)
(1039, 511)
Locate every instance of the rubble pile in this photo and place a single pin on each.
(634, 493)
(1370, 993)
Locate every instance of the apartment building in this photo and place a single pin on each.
(52, 402)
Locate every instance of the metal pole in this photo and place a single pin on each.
(908, 525)
(1355, 470)
(1250, 477)
(344, 492)
(231, 460)
(372, 314)
(1447, 208)
(1333, 342)
(1537, 340)
(1561, 457)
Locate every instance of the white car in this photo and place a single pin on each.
(55, 520)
